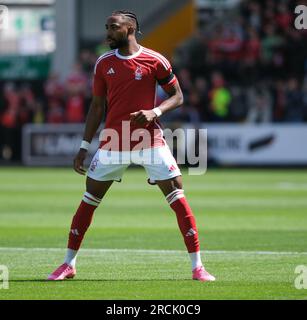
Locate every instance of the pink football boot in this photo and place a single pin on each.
(65, 271)
(201, 274)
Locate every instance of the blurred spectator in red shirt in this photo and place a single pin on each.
(284, 17)
(55, 113)
(75, 109)
(215, 55)
(10, 123)
(230, 46)
(77, 81)
(54, 89)
(10, 115)
(27, 106)
(252, 48)
(280, 101)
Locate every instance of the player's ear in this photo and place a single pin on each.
(131, 30)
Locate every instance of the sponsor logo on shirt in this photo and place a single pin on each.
(111, 71)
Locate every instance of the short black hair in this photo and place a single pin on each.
(129, 14)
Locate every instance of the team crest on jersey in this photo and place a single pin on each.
(138, 73)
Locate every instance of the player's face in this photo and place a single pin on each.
(117, 32)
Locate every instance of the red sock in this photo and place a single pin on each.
(186, 220)
(82, 220)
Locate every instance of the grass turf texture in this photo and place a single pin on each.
(253, 225)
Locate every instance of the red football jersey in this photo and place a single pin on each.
(129, 83)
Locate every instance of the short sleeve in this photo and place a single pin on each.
(164, 73)
(99, 84)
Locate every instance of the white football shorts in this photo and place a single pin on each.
(159, 164)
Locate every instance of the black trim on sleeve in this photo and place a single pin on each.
(166, 80)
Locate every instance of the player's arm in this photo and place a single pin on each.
(93, 120)
(168, 81)
(175, 98)
(94, 116)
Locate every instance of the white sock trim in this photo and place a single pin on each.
(195, 260)
(175, 195)
(90, 199)
(71, 256)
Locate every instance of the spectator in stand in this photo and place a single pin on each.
(75, 109)
(284, 17)
(253, 12)
(192, 53)
(76, 86)
(77, 80)
(271, 45)
(192, 108)
(54, 89)
(54, 93)
(27, 104)
(260, 105)
(251, 55)
(230, 46)
(238, 105)
(294, 102)
(296, 52)
(279, 101)
(184, 76)
(219, 99)
(268, 14)
(201, 87)
(10, 123)
(38, 114)
(86, 60)
(215, 56)
(55, 113)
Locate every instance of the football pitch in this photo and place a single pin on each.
(252, 226)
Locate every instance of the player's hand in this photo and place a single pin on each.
(142, 117)
(79, 160)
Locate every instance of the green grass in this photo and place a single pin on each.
(252, 226)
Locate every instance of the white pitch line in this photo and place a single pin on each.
(159, 251)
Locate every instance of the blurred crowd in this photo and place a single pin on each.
(248, 64)
(245, 65)
(52, 102)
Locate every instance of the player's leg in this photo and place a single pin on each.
(165, 172)
(174, 193)
(100, 177)
(95, 191)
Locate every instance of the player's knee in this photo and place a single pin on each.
(97, 188)
(178, 183)
(91, 199)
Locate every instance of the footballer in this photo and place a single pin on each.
(125, 81)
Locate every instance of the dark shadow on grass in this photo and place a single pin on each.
(95, 280)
